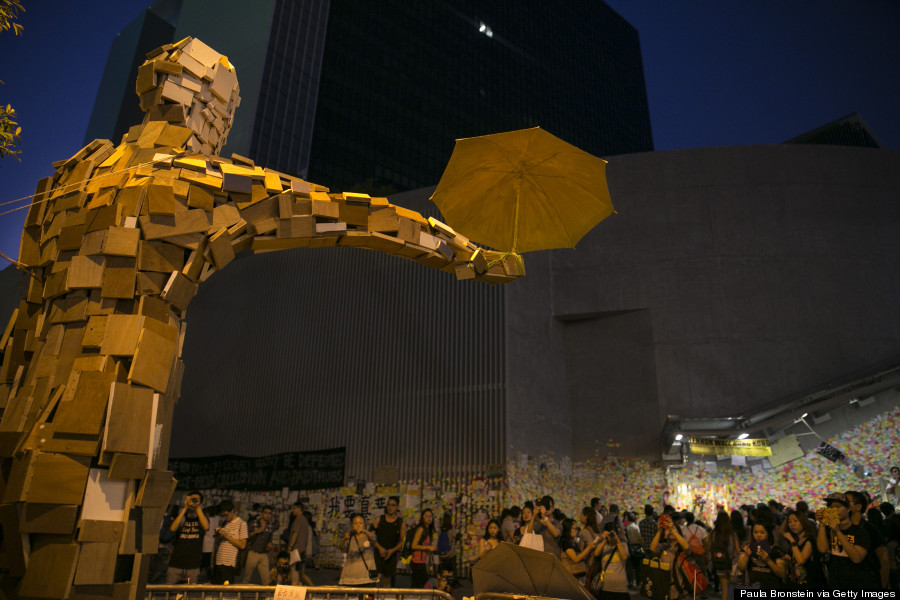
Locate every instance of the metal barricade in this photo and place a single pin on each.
(262, 592)
(497, 596)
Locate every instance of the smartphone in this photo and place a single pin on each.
(755, 546)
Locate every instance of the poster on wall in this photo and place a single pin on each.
(757, 447)
(311, 470)
(785, 450)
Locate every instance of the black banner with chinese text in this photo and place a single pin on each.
(318, 469)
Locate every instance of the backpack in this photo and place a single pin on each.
(695, 543)
(721, 561)
(693, 576)
(406, 550)
(443, 544)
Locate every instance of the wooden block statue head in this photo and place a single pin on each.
(190, 84)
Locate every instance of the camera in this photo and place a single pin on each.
(284, 569)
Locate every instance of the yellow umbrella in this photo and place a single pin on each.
(523, 190)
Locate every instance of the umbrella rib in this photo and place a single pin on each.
(553, 212)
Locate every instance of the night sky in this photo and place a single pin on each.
(718, 74)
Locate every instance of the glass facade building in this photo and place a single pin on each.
(372, 95)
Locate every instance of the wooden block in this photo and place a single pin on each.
(161, 226)
(224, 215)
(355, 239)
(408, 230)
(263, 226)
(188, 241)
(57, 283)
(85, 272)
(237, 183)
(179, 290)
(127, 466)
(128, 419)
(154, 357)
(160, 257)
(220, 248)
(154, 307)
(121, 335)
(269, 244)
(383, 220)
(264, 209)
(296, 227)
(285, 202)
(13, 549)
(355, 198)
(273, 183)
(70, 238)
(160, 200)
(90, 363)
(354, 214)
(327, 209)
(151, 283)
(464, 272)
(81, 411)
(121, 241)
(50, 572)
(331, 228)
(105, 217)
(69, 310)
(478, 261)
(47, 478)
(195, 262)
(156, 489)
(93, 332)
(118, 282)
(49, 518)
(93, 242)
(174, 136)
(96, 563)
(384, 243)
(200, 197)
(100, 531)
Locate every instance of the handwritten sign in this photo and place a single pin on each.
(289, 592)
(290, 470)
(719, 447)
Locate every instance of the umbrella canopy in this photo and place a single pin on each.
(523, 190)
(511, 569)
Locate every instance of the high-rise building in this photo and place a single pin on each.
(349, 93)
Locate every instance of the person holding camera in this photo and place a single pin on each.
(848, 544)
(446, 581)
(546, 526)
(358, 544)
(187, 551)
(282, 573)
(609, 580)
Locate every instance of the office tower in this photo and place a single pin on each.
(372, 94)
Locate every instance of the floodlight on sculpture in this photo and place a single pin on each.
(115, 245)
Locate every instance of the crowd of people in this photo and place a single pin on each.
(212, 544)
(849, 541)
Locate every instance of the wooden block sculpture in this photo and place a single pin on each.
(114, 247)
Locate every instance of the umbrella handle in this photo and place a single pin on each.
(512, 251)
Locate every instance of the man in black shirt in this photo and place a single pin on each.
(189, 527)
(848, 543)
(877, 560)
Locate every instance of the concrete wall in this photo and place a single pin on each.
(762, 271)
